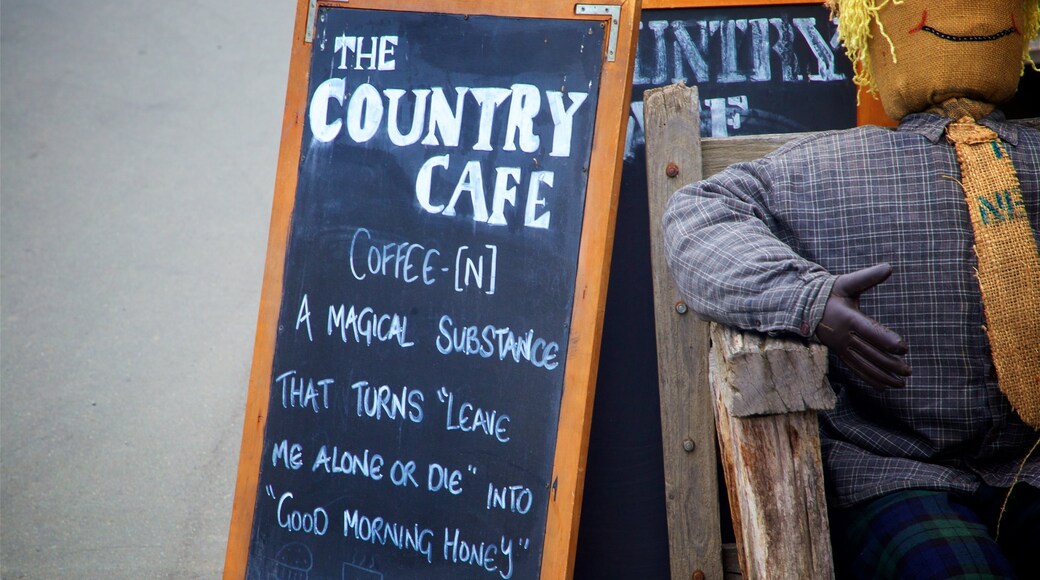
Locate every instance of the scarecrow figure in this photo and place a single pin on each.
(912, 255)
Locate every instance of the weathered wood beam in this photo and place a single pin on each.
(774, 476)
(673, 159)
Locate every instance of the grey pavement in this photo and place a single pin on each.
(138, 143)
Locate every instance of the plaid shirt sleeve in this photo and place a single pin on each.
(758, 282)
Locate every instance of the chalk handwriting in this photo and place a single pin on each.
(440, 478)
(726, 52)
(503, 342)
(382, 402)
(305, 316)
(514, 498)
(365, 325)
(315, 521)
(470, 186)
(494, 557)
(369, 111)
(524, 128)
(469, 268)
(380, 531)
(373, 53)
(298, 392)
(468, 418)
(747, 50)
(362, 114)
(404, 261)
(345, 462)
(290, 456)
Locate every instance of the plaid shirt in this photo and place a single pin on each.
(759, 245)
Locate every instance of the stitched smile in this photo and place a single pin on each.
(966, 38)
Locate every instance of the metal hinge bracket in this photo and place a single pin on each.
(612, 10)
(312, 14)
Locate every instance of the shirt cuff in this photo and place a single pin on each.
(820, 291)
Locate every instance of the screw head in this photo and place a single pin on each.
(671, 170)
(681, 307)
(688, 445)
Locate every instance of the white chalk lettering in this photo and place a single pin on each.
(402, 473)
(378, 530)
(442, 115)
(444, 119)
(314, 522)
(490, 340)
(563, 119)
(484, 555)
(382, 402)
(469, 418)
(318, 112)
(298, 392)
(439, 477)
(489, 99)
(392, 129)
(377, 55)
(366, 325)
(526, 104)
(290, 456)
(469, 268)
(471, 183)
(735, 51)
(345, 462)
(821, 50)
(532, 218)
(304, 316)
(514, 498)
(368, 112)
(397, 260)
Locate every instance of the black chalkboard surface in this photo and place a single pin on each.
(776, 68)
(425, 302)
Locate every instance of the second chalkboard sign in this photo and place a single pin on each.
(425, 305)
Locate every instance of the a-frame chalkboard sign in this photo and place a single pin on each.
(422, 381)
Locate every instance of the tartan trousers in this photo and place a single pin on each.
(927, 534)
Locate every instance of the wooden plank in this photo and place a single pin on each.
(770, 376)
(687, 428)
(718, 153)
(774, 478)
(721, 152)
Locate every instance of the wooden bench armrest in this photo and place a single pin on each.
(766, 393)
(760, 375)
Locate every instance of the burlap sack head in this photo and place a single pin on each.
(920, 53)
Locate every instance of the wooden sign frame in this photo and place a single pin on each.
(592, 268)
(869, 110)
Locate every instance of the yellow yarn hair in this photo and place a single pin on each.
(854, 18)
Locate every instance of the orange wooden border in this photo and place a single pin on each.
(270, 302)
(561, 529)
(868, 112)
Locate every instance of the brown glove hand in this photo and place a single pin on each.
(874, 352)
